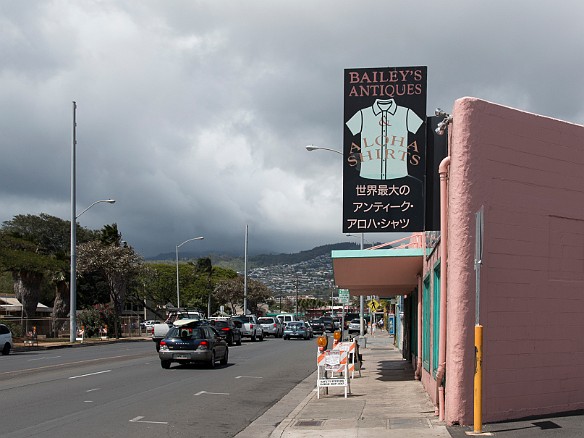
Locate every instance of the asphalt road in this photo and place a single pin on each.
(120, 390)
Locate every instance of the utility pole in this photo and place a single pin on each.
(296, 295)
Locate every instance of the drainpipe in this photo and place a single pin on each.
(443, 171)
(418, 373)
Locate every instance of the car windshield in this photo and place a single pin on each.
(295, 325)
(221, 324)
(355, 321)
(266, 320)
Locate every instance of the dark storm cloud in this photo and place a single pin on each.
(194, 115)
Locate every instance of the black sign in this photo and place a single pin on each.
(384, 149)
(437, 150)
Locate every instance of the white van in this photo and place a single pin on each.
(286, 318)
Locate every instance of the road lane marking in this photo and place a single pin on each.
(90, 374)
(248, 377)
(88, 401)
(139, 420)
(211, 393)
(44, 358)
(93, 389)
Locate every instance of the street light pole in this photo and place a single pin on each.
(177, 280)
(74, 217)
(245, 271)
(296, 295)
(73, 274)
(311, 148)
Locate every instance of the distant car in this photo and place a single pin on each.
(227, 328)
(250, 328)
(317, 326)
(355, 326)
(271, 326)
(329, 324)
(298, 329)
(149, 323)
(5, 339)
(193, 342)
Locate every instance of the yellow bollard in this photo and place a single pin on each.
(478, 380)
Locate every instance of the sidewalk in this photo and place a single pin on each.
(385, 401)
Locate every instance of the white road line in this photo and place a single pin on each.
(248, 377)
(139, 420)
(211, 393)
(44, 358)
(88, 401)
(90, 374)
(93, 389)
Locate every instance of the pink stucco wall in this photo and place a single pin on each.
(528, 172)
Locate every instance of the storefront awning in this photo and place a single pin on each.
(382, 272)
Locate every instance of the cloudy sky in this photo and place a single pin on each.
(194, 115)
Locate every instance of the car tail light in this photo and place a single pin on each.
(225, 329)
(275, 326)
(251, 326)
(203, 345)
(162, 343)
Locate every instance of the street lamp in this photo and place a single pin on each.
(74, 216)
(177, 283)
(73, 275)
(311, 148)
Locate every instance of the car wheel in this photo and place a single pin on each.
(238, 341)
(253, 337)
(6, 349)
(165, 364)
(230, 340)
(211, 363)
(157, 346)
(285, 338)
(225, 357)
(261, 337)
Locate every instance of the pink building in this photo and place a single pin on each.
(527, 174)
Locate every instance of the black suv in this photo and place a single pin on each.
(229, 330)
(328, 322)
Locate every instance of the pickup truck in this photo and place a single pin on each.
(159, 331)
(250, 327)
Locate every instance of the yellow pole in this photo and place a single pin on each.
(478, 380)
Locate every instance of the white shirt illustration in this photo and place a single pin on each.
(384, 128)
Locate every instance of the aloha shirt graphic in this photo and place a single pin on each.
(384, 128)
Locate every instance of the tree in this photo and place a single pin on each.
(117, 264)
(35, 249)
(232, 291)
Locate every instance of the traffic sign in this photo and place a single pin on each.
(344, 296)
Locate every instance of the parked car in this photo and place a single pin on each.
(271, 326)
(250, 328)
(317, 326)
(149, 323)
(298, 329)
(355, 326)
(227, 328)
(5, 339)
(193, 341)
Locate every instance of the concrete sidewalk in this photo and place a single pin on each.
(385, 401)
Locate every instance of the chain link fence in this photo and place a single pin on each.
(58, 328)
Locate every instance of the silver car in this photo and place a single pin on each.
(271, 326)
